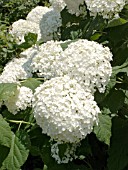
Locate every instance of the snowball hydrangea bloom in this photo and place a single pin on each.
(45, 62)
(106, 8)
(64, 110)
(36, 14)
(20, 101)
(22, 27)
(88, 62)
(17, 69)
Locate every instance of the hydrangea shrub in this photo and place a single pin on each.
(63, 99)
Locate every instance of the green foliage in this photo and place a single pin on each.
(117, 22)
(7, 90)
(3, 153)
(31, 83)
(30, 39)
(118, 152)
(111, 103)
(8, 48)
(13, 10)
(103, 130)
(18, 153)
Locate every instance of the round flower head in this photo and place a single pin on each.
(88, 62)
(49, 25)
(20, 101)
(58, 5)
(15, 70)
(22, 27)
(73, 6)
(63, 110)
(45, 62)
(106, 8)
(36, 14)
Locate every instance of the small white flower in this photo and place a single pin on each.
(20, 101)
(45, 62)
(69, 153)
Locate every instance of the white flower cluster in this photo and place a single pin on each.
(20, 101)
(69, 153)
(88, 62)
(36, 14)
(15, 70)
(42, 21)
(45, 62)
(106, 8)
(64, 110)
(63, 105)
(22, 27)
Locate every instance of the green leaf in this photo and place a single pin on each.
(18, 153)
(7, 90)
(65, 44)
(5, 133)
(84, 149)
(24, 138)
(97, 23)
(118, 153)
(122, 68)
(115, 100)
(103, 130)
(30, 39)
(95, 36)
(116, 22)
(3, 153)
(31, 83)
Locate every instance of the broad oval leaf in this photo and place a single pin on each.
(7, 90)
(18, 153)
(31, 83)
(103, 130)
